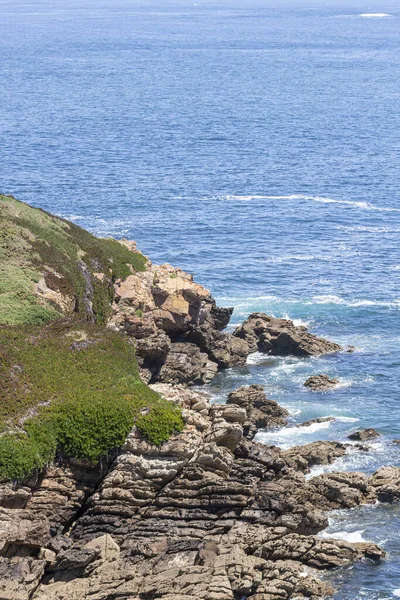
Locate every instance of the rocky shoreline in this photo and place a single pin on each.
(209, 514)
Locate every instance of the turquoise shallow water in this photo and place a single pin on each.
(255, 144)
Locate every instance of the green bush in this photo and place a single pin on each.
(88, 428)
(21, 453)
(160, 422)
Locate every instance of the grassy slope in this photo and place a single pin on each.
(36, 245)
(68, 386)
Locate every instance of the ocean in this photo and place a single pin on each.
(255, 144)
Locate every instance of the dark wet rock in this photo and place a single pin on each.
(363, 435)
(320, 383)
(261, 412)
(280, 337)
(153, 350)
(396, 442)
(223, 348)
(362, 447)
(317, 420)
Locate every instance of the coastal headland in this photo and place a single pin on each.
(118, 477)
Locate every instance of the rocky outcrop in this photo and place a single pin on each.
(185, 363)
(209, 514)
(386, 483)
(164, 310)
(261, 413)
(177, 326)
(363, 435)
(321, 383)
(280, 337)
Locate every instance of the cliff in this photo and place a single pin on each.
(118, 479)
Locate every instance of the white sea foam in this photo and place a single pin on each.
(291, 432)
(347, 419)
(288, 258)
(364, 229)
(374, 15)
(248, 302)
(332, 299)
(255, 358)
(347, 536)
(322, 199)
(396, 593)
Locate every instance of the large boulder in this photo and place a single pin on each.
(386, 483)
(223, 348)
(280, 337)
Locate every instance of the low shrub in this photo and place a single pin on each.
(80, 382)
(160, 422)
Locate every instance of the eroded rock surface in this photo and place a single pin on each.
(209, 515)
(179, 334)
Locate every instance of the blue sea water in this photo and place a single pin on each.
(255, 144)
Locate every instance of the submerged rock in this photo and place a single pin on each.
(320, 383)
(280, 337)
(317, 420)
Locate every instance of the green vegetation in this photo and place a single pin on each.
(72, 388)
(50, 267)
(68, 385)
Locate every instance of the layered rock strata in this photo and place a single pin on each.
(209, 514)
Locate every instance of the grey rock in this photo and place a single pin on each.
(320, 383)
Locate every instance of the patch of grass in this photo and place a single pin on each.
(36, 246)
(79, 384)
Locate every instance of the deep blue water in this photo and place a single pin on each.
(255, 144)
